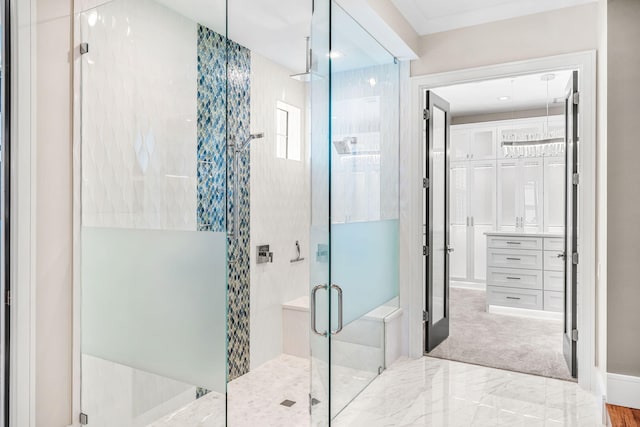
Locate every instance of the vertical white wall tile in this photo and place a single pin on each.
(280, 209)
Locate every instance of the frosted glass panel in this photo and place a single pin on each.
(483, 193)
(507, 196)
(532, 194)
(483, 144)
(480, 251)
(156, 301)
(458, 197)
(459, 145)
(364, 262)
(554, 207)
(439, 242)
(458, 258)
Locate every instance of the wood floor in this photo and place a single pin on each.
(623, 417)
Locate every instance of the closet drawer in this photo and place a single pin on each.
(512, 297)
(553, 261)
(554, 281)
(553, 301)
(514, 258)
(514, 278)
(554, 244)
(502, 242)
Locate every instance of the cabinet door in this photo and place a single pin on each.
(482, 197)
(508, 194)
(554, 176)
(531, 189)
(482, 144)
(459, 145)
(459, 220)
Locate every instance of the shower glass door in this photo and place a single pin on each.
(364, 206)
(355, 208)
(153, 236)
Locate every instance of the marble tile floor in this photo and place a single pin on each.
(422, 392)
(436, 392)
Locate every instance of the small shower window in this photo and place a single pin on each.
(287, 131)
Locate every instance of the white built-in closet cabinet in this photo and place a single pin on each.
(489, 192)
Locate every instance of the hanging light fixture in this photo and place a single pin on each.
(546, 143)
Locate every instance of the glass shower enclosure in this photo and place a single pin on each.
(164, 240)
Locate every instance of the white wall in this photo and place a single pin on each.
(571, 29)
(280, 208)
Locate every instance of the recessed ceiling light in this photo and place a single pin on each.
(372, 82)
(335, 54)
(504, 98)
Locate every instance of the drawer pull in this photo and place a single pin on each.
(514, 259)
(513, 298)
(514, 243)
(513, 278)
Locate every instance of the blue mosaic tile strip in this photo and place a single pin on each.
(224, 69)
(238, 113)
(211, 129)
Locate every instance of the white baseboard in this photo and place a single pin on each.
(525, 312)
(481, 286)
(623, 390)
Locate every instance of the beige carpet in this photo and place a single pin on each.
(520, 344)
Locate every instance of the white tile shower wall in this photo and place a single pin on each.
(139, 129)
(280, 209)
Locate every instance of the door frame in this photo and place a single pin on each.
(585, 62)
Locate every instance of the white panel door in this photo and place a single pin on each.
(482, 196)
(531, 189)
(482, 144)
(554, 171)
(459, 220)
(459, 148)
(508, 195)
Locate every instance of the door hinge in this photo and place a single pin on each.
(426, 114)
(7, 297)
(576, 98)
(425, 316)
(425, 182)
(84, 419)
(574, 335)
(425, 250)
(576, 178)
(84, 48)
(575, 258)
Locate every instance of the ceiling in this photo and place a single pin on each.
(433, 16)
(523, 92)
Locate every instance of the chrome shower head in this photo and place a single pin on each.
(246, 142)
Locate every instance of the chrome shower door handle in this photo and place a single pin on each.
(340, 307)
(314, 291)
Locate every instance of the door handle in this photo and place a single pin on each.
(450, 249)
(561, 255)
(340, 306)
(313, 310)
